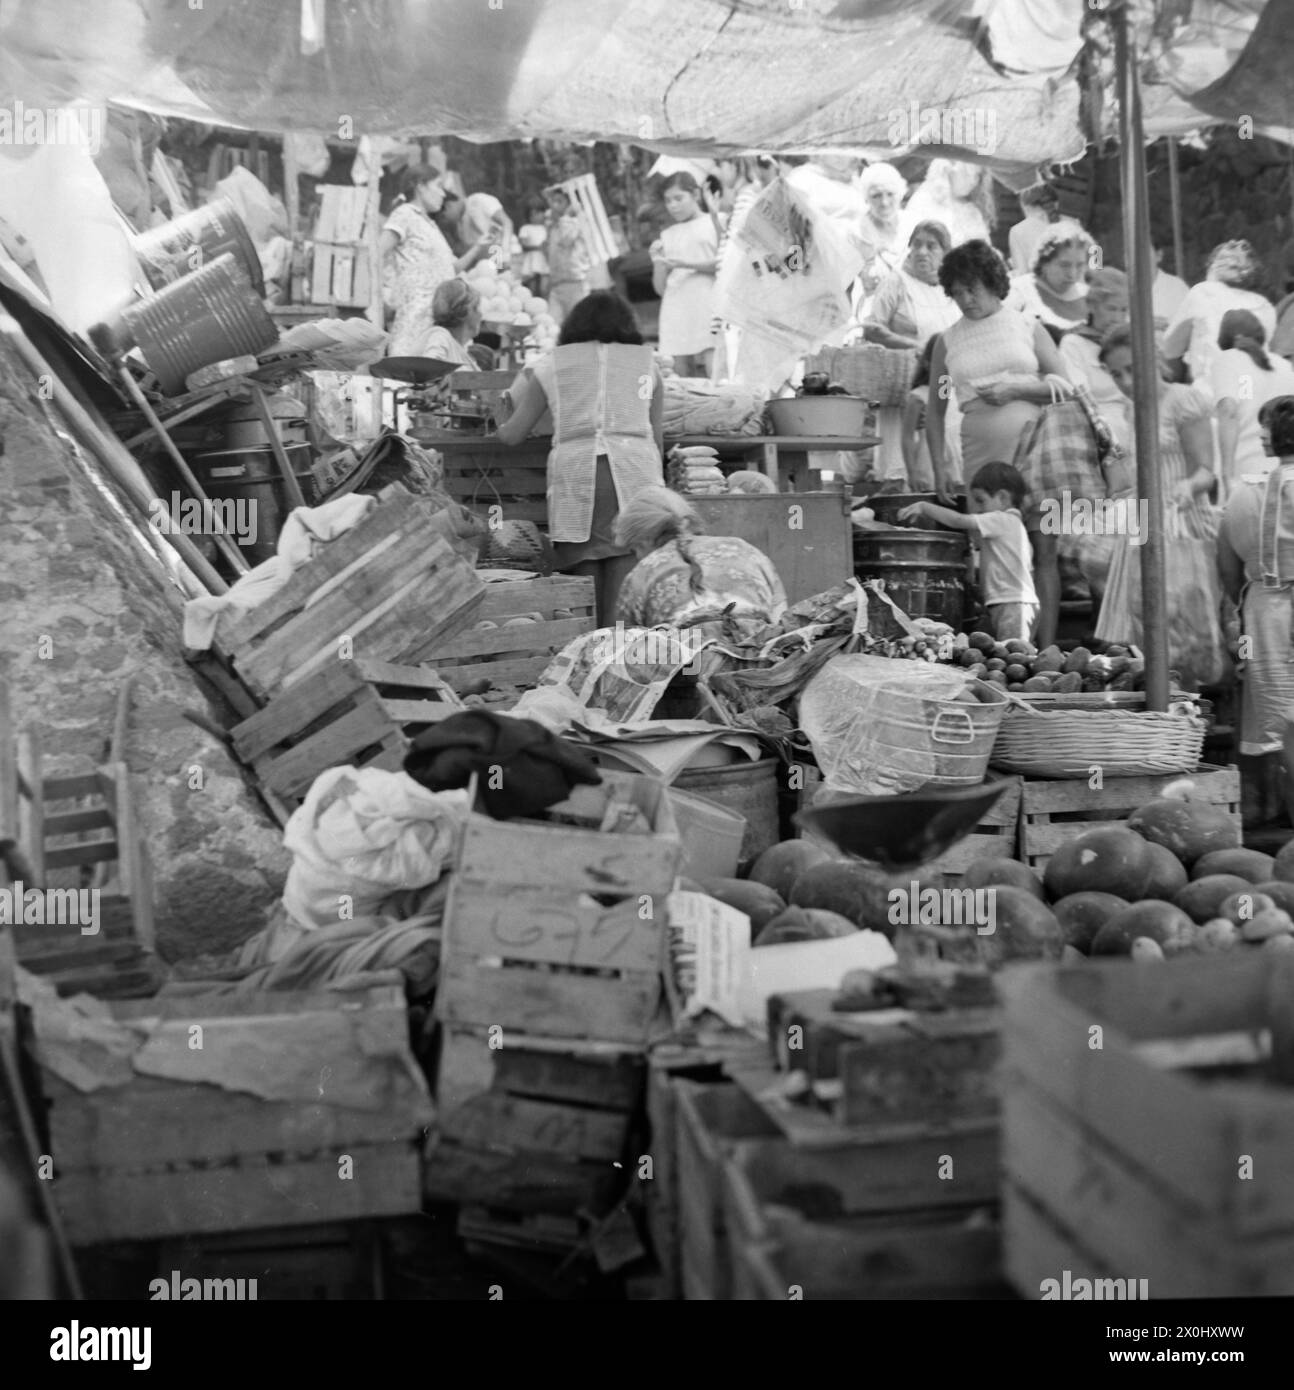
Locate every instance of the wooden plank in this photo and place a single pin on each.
(88, 852)
(469, 1065)
(618, 1009)
(71, 822)
(417, 711)
(513, 511)
(517, 1124)
(452, 1173)
(73, 788)
(110, 1206)
(523, 674)
(32, 828)
(289, 712)
(1127, 1218)
(390, 673)
(1218, 786)
(291, 772)
(149, 1124)
(481, 921)
(523, 638)
(1035, 1248)
(372, 998)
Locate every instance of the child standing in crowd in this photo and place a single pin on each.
(532, 235)
(684, 261)
(1006, 558)
(569, 261)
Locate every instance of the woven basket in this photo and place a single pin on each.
(518, 545)
(878, 374)
(1122, 743)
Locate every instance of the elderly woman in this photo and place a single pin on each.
(684, 578)
(1244, 377)
(883, 188)
(1055, 292)
(421, 257)
(1002, 366)
(1256, 567)
(607, 433)
(1107, 308)
(908, 309)
(1191, 338)
(456, 319)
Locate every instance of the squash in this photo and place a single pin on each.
(1191, 829)
(1160, 922)
(858, 892)
(1006, 873)
(1023, 928)
(758, 902)
(1168, 874)
(804, 924)
(1111, 859)
(1082, 915)
(1249, 864)
(1202, 898)
(781, 864)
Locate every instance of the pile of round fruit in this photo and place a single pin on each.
(1018, 666)
(504, 299)
(1169, 880)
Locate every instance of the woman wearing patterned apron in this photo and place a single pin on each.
(607, 404)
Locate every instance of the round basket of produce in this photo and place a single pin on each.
(1068, 742)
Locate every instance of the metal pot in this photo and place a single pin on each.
(243, 428)
(844, 417)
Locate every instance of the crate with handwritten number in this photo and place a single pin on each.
(555, 927)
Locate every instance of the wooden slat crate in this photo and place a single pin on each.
(154, 1158)
(797, 1237)
(1052, 813)
(391, 589)
(529, 947)
(504, 478)
(558, 1114)
(363, 712)
(1133, 1148)
(516, 655)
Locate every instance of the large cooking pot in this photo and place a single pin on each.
(243, 428)
(844, 417)
(886, 506)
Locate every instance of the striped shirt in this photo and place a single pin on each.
(600, 395)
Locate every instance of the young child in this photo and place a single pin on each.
(1006, 558)
(684, 261)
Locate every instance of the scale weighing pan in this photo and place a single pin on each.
(417, 371)
(902, 832)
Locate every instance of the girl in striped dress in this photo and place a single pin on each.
(607, 404)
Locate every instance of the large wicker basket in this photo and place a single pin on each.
(878, 374)
(1120, 742)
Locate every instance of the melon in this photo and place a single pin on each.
(1111, 859)
(861, 893)
(1202, 898)
(1245, 905)
(1190, 829)
(1082, 915)
(1284, 869)
(1160, 922)
(1282, 894)
(781, 864)
(993, 873)
(1023, 928)
(1168, 873)
(1248, 864)
(804, 924)
(758, 902)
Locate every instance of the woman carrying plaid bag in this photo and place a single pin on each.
(1068, 454)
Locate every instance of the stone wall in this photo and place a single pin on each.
(85, 604)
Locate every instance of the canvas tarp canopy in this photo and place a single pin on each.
(681, 76)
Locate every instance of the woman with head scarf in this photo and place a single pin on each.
(420, 256)
(1055, 292)
(1256, 567)
(1244, 377)
(607, 403)
(883, 189)
(1191, 338)
(1080, 347)
(907, 310)
(684, 578)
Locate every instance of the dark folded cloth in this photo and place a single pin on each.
(522, 767)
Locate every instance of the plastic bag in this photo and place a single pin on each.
(622, 671)
(1197, 651)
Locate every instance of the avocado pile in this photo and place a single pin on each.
(1018, 666)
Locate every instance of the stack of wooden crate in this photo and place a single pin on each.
(1148, 1125)
(160, 1156)
(550, 982)
(392, 588)
(341, 271)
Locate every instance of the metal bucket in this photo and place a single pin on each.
(208, 316)
(185, 244)
(252, 475)
(924, 572)
(749, 789)
(841, 417)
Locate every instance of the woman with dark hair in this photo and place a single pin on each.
(1256, 567)
(1191, 338)
(1041, 206)
(421, 257)
(1244, 377)
(907, 310)
(607, 404)
(684, 264)
(1002, 366)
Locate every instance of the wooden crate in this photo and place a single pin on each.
(1122, 1161)
(498, 482)
(1052, 813)
(516, 655)
(391, 589)
(794, 1236)
(154, 1157)
(560, 1116)
(363, 712)
(529, 947)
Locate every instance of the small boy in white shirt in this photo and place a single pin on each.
(1006, 557)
